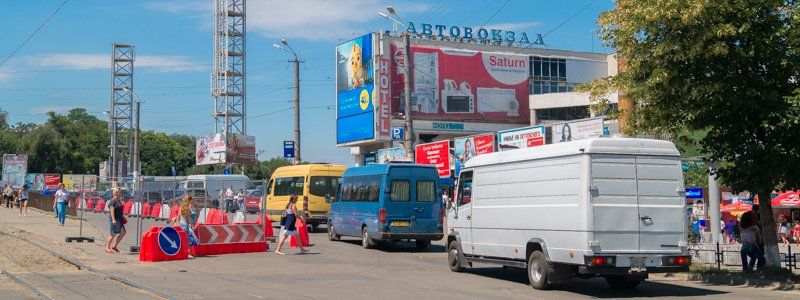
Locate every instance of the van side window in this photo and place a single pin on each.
(426, 190)
(289, 185)
(269, 187)
(400, 190)
(465, 188)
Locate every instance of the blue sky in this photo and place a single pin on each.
(67, 64)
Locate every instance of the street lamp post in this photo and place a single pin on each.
(288, 48)
(136, 171)
(408, 121)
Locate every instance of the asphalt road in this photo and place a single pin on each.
(344, 270)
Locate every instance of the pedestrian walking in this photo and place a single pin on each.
(116, 221)
(751, 238)
(288, 225)
(22, 200)
(783, 229)
(229, 199)
(240, 199)
(8, 195)
(729, 227)
(796, 232)
(185, 219)
(61, 203)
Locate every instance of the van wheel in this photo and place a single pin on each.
(538, 271)
(332, 236)
(422, 244)
(366, 241)
(453, 257)
(622, 282)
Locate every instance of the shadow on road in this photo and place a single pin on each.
(403, 246)
(597, 287)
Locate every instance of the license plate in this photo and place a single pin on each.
(637, 262)
(400, 223)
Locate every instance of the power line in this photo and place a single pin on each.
(558, 26)
(152, 67)
(34, 32)
(495, 14)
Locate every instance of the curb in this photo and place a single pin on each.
(777, 284)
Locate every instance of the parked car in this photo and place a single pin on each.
(388, 202)
(610, 207)
(252, 201)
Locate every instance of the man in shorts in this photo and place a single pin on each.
(8, 195)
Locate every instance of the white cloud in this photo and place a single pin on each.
(516, 26)
(304, 19)
(99, 61)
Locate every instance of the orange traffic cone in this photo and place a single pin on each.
(267, 227)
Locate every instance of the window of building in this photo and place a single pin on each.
(549, 75)
(562, 113)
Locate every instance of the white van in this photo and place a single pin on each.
(611, 207)
(205, 188)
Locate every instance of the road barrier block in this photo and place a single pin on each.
(155, 211)
(302, 231)
(163, 244)
(227, 239)
(100, 205)
(146, 210)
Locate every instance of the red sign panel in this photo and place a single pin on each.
(51, 180)
(437, 154)
(450, 84)
(384, 98)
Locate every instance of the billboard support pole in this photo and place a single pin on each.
(296, 111)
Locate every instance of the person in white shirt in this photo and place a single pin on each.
(229, 198)
(240, 199)
(61, 202)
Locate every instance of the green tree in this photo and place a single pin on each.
(727, 68)
(161, 152)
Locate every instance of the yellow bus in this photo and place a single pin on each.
(314, 184)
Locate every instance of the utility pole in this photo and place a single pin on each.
(288, 48)
(135, 159)
(408, 121)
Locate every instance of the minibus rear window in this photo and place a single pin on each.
(323, 185)
(426, 191)
(400, 190)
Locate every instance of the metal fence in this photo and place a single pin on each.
(728, 257)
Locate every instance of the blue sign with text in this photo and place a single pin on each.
(169, 241)
(694, 193)
(398, 133)
(469, 33)
(288, 149)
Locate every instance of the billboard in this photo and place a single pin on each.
(436, 154)
(15, 166)
(577, 130)
(355, 91)
(450, 84)
(392, 154)
(469, 147)
(79, 182)
(40, 182)
(520, 138)
(210, 149)
(240, 149)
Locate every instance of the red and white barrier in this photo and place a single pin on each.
(302, 231)
(225, 239)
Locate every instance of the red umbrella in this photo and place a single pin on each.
(736, 207)
(787, 200)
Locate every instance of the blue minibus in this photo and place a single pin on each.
(388, 202)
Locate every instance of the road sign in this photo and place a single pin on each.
(288, 149)
(169, 241)
(694, 193)
(226, 171)
(398, 133)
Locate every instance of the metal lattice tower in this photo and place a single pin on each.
(120, 118)
(228, 84)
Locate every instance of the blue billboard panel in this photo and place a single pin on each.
(354, 64)
(355, 128)
(355, 101)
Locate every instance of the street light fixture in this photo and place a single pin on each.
(288, 48)
(409, 126)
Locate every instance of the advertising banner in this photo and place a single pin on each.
(241, 149)
(210, 149)
(436, 154)
(577, 130)
(15, 166)
(469, 147)
(520, 138)
(392, 154)
(80, 182)
(384, 94)
(451, 84)
(355, 91)
(51, 181)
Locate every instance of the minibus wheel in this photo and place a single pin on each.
(366, 241)
(538, 271)
(332, 236)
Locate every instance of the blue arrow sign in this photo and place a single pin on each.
(288, 149)
(169, 241)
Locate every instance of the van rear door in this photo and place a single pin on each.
(427, 201)
(399, 206)
(637, 207)
(661, 204)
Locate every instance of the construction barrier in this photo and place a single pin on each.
(216, 217)
(227, 239)
(173, 211)
(166, 211)
(268, 233)
(146, 210)
(155, 211)
(302, 231)
(163, 244)
(100, 205)
(126, 207)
